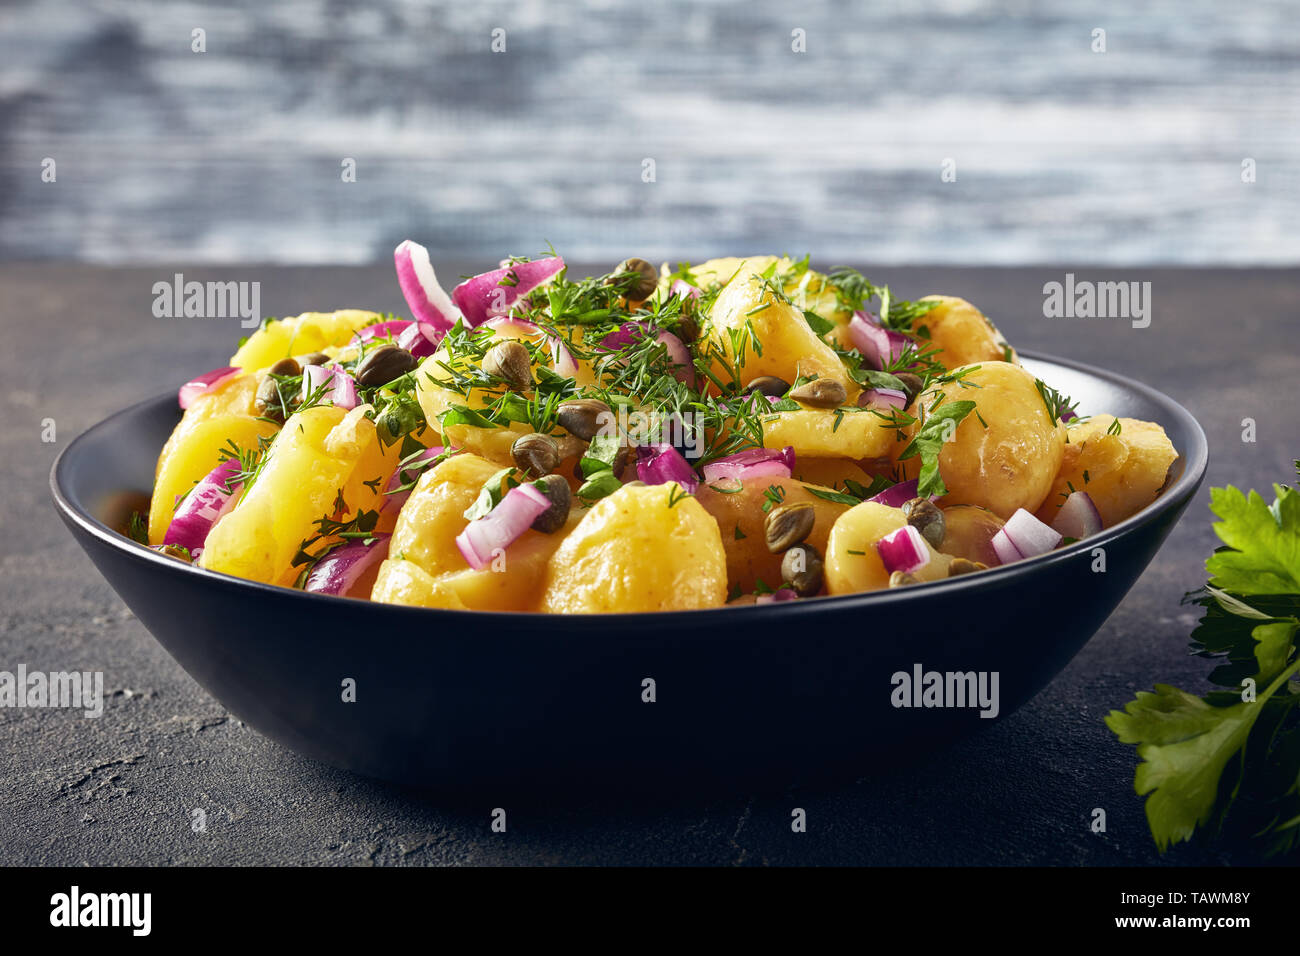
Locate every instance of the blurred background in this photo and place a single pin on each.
(1061, 154)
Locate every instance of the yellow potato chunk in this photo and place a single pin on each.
(852, 563)
(829, 472)
(309, 332)
(962, 333)
(192, 451)
(741, 522)
(405, 582)
(1122, 473)
(434, 515)
(306, 467)
(821, 433)
(746, 311)
(1005, 454)
(643, 548)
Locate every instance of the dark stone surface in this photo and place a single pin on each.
(81, 342)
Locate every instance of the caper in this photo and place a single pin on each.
(268, 403)
(314, 358)
(535, 454)
(382, 365)
(768, 385)
(925, 517)
(901, 579)
(788, 525)
(912, 385)
(647, 278)
(584, 417)
(963, 566)
(801, 568)
(509, 360)
(286, 366)
(688, 329)
(821, 393)
(557, 492)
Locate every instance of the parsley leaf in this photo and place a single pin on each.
(929, 442)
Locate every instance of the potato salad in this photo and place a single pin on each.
(745, 431)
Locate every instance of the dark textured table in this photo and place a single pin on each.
(81, 342)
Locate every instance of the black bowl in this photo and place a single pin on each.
(469, 700)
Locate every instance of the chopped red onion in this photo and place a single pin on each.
(883, 398)
(341, 390)
(879, 346)
(657, 464)
(1007, 552)
(682, 287)
(206, 504)
(416, 342)
(339, 571)
(500, 527)
(1029, 535)
(903, 550)
(777, 596)
(752, 463)
(207, 382)
(430, 306)
(1078, 517)
(483, 296)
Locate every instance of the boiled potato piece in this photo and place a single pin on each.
(822, 433)
(829, 472)
(1005, 454)
(309, 332)
(405, 582)
(741, 522)
(193, 450)
(1121, 473)
(790, 348)
(852, 563)
(306, 467)
(434, 514)
(968, 533)
(643, 548)
(962, 333)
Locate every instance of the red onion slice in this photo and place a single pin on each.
(658, 464)
(682, 287)
(879, 346)
(500, 527)
(1029, 535)
(897, 495)
(430, 306)
(483, 296)
(380, 330)
(339, 571)
(395, 499)
(752, 463)
(207, 382)
(206, 504)
(883, 398)
(903, 550)
(1078, 517)
(341, 390)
